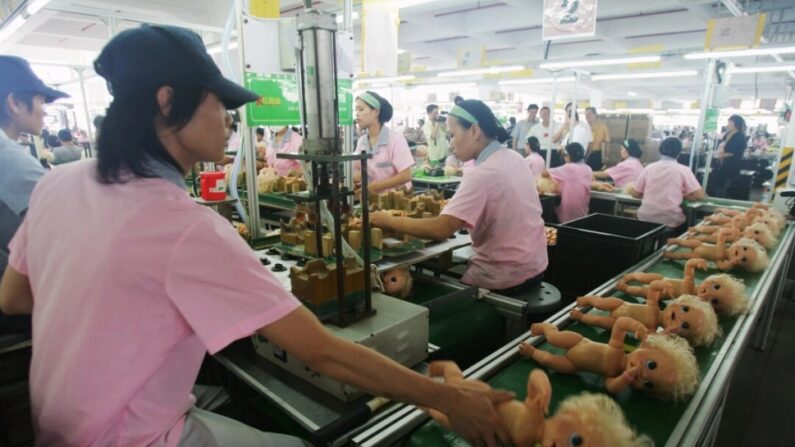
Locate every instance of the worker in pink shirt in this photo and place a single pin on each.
(534, 160)
(497, 201)
(119, 337)
(391, 162)
(663, 185)
(284, 141)
(628, 169)
(573, 181)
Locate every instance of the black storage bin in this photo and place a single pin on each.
(597, 247)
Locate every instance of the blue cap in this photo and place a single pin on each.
(152, 56)
(16, 76)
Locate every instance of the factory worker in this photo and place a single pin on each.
(119, 337)
(628, 169)
(497, 201)
(391, 162)
(573, 183)
(284, 141)
(663, 185)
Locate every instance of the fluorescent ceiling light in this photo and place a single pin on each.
(536, 81)
(341, 18)
(741, 53)
(599, 62)
(386, 79)
(659, 74)
(11, 28)
(215, 49)
(36, 6)
(489, 70)
(635, 110)
(632, 94)
(406, 3)
(761, 69)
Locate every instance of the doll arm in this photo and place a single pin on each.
(689, 281)
(620, 329)
(617, 384)
(656, 290)
(726, 264)
(727, 212)
(539, 391)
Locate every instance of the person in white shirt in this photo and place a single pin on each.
(580, 133)
(435, 132)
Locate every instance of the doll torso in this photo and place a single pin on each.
(523, 423)
(597, 358)
(707, 251)
(647, 315)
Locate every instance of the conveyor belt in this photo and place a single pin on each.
(666, 423)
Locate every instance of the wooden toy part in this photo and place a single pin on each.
(316, 282)
(355, 239)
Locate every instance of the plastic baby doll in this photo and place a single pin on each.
(586, 419)
(725, 293)
(684, 286)
(546, 185)
(745, 253)
(686, 316)
(709, 233)
(397, 282)
(723, 216)
(760, 233)
(663, 364)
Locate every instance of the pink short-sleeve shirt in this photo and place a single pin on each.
(127, 305)
(391, 155)
(625, 172)
(290, 145)
(664, 184)
(574, 180)
(536, 164)
(499, 203)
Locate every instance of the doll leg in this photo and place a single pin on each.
(557, 362)
(565, 339)
(608, 304)
(645, 278)
(686, 243)
(602, 321)
(680, 255)
(539, 390)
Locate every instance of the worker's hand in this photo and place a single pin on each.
(380, 219)
(473, 415)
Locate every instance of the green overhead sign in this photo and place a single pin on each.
(278, 103)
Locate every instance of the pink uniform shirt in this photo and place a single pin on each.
(536, 164)
(504, 219)
(574, 180)
(664, 184)
(625, 172)
(390, 157)
(128, 303)
(290, 145)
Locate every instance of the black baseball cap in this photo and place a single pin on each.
(152, 56)
(16, 76)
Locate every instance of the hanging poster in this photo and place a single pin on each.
(734, 32)
(569, 18)
(380, 23)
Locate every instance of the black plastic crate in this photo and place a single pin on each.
(597, 247)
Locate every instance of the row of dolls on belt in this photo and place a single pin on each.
(678, 315)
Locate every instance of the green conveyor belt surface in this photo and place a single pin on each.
(465, 330)
(648, 415)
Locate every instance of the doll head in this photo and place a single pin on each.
(749, 255)
(666, 366)
(725, 293)
(760, 233)
(692, 319)
(397, 282)
(590, 420)
(771, 223)
(775, 216)
(628, 187)
(546, 185)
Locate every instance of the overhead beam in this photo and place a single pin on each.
(94, 12)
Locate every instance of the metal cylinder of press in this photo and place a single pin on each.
(317, 34)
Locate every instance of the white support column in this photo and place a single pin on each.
(81, 75)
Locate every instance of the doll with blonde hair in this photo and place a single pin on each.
(585, 419)
(745, 253)
(663, 365)
(725, 293)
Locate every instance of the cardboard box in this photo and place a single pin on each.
(613, 155)
(639, 127)
(616, 126)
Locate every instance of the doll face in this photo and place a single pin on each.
(716, 293)
(394, 281)
(655, 370)
(743, 255)
(757, 235)
(565, 430)
(682, 320)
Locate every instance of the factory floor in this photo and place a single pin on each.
(759, 404)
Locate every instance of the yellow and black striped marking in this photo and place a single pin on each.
(783, 167)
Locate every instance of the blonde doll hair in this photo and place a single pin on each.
(765, 232)
(761, 262)
(711, 329)
(740, 303)
(680, 352)
(604, 414)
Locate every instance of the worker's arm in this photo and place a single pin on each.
(615, 385)
(398, 179)
(436, 228)
(695, 195)
(600, 174)
(16, 296)
(560, 132)
(634, 193)
(470, 410)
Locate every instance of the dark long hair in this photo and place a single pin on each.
(127, 139)
(739, 123)
(486, 120)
